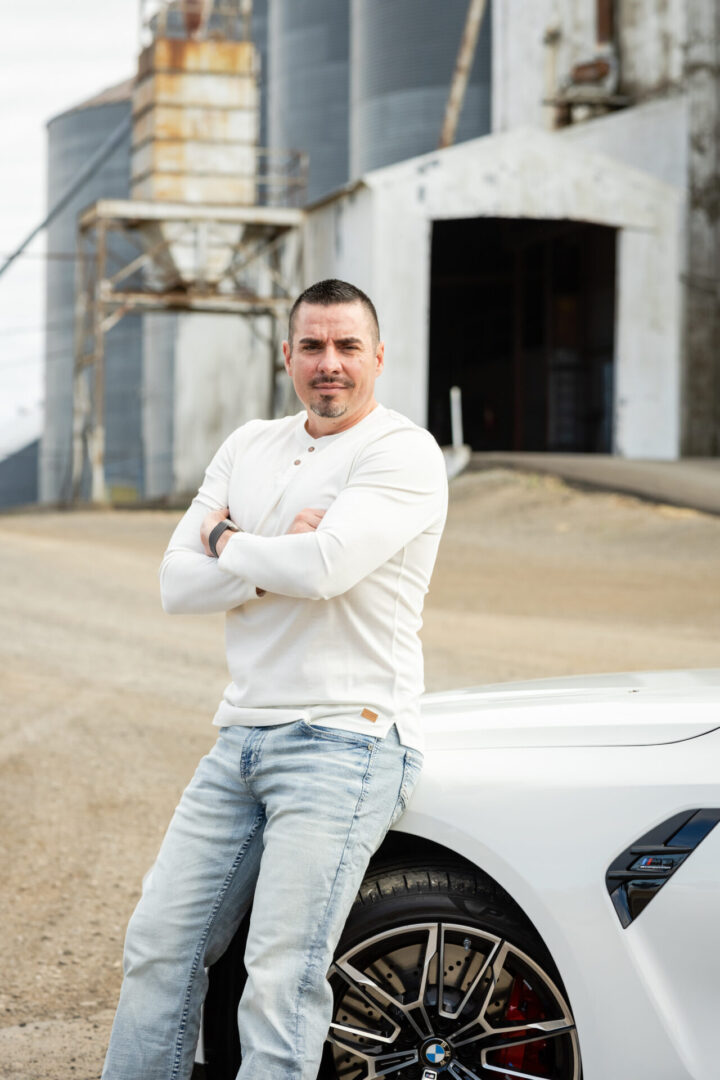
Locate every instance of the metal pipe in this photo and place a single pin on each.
(458, 86)
(456, 424)
(97, 428)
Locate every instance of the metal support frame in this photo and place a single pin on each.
(109, 285)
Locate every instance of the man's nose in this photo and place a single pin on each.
(329, 359)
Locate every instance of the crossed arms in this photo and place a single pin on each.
(397, 490)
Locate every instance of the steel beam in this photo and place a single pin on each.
(130, 211)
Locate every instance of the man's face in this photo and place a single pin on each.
(334, 361)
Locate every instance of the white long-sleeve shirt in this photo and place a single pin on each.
(335, 638)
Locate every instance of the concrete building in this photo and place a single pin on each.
(542, 279)
(564, 269)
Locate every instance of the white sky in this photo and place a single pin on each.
(52, 56)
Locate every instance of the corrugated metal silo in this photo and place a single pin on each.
(308, 58)
(403, 55)
(73, 137)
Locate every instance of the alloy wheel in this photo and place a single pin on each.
(438, 999)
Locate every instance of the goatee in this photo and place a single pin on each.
(328, 408)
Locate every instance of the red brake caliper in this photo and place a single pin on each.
(523, 1006)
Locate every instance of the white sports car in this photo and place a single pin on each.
(549, 905)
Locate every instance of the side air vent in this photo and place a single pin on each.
(637, 875)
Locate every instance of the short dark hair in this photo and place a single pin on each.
(332, 291)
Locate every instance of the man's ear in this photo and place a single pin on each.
(287, 354)
(380, 357)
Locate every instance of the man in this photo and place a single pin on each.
(317, 534)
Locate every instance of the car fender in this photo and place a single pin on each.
(546, 823)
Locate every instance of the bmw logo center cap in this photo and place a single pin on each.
(436, 1053)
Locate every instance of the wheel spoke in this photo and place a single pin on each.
(360, 983)
(495, 966)
(548, 1029)
(461, 1072)
(473, 985)
(378, 1065)
(386, 1064)
(508, 1072)
(431, 951)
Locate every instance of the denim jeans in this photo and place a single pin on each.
(291, 813)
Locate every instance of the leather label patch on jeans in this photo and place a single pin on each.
(368, 714)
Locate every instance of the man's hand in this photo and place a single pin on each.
(306, 521)
(209, 522)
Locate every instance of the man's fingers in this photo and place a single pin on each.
(307, 520)
(313, 517)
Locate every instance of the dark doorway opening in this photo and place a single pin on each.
(522, 319)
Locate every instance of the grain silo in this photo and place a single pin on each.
(308, 87)
(403, 54)
(73, 137)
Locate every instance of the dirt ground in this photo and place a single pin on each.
(106, 702)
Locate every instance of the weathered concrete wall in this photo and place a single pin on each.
(651, 36)
(536, 45)
(701, 399)
(338, 244)
(652, 137)
(519, 77)
(647, 345)
(521, 174)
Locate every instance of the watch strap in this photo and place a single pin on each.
(217, 532)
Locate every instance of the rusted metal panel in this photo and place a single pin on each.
(209, 57)
(592, 71)
(214, 125)
(194, 158)
(195, 14)
(196, 189)
(187, 92)
(208, 91)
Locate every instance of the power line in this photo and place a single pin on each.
(11, 331)
(66, 255)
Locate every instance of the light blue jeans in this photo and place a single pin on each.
(291, 813)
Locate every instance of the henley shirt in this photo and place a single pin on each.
(334, 640)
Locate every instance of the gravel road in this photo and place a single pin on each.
(106, 702)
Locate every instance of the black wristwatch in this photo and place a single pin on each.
(217, 532)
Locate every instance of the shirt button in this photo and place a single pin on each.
(296, 461)
(310, 449)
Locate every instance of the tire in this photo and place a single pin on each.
(501, 1006)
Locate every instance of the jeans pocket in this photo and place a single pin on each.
(412, 767)
(336, 735)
